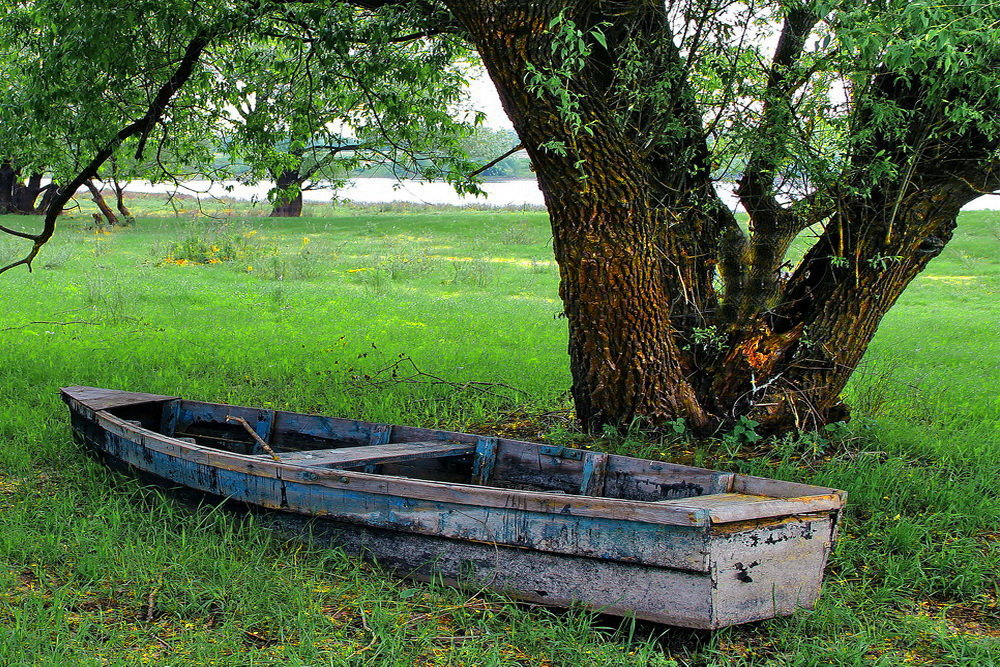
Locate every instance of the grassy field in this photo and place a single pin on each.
(313, 315)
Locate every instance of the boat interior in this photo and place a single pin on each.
(334, 443)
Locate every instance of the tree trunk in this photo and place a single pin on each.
(8, 181)
(120, 201)
(607, 227)
(98, 198)
(118, 189)
(286, 206)
(26, 194)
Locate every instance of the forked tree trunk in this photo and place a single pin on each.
(642, 240)
(120, 200)
(288, 206)
(98, 198)
(118, 189)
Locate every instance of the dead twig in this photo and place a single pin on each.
(54, 324)
(364, 624)
(253, 434)
(405, 371)
(150, 605)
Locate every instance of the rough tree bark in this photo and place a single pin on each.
(25, 194)
(17, 197)
(120, 201)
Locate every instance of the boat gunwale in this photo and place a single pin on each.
(670, 512)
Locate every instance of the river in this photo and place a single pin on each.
(378, 190)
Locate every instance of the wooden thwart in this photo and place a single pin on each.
(352, 457)
(731, 507)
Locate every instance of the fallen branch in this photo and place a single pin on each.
(150, 606)
(253, 434)
(54, 324)
(405, 371)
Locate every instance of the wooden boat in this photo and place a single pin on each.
(553, 525)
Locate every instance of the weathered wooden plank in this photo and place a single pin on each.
(169, 415)
(673, 514)
(528, 465)
(294, 430)
(611, 539)
(197, 413)
(486, 459)
(537, 468)
(721, 500)
(595, 468)
(106, 399)
(349, 457)
(380, 434)
(650, 593)
(639, 479)
(761, 571)
(762, 486)
(732, 507)
(210, 420)
(265, 426)
(674, 546)
(414, 434)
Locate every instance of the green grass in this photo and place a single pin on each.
(307, 314)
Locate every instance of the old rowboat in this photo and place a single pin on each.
(559, 526)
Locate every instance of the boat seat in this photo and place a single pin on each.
(395, 452)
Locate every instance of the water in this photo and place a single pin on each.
(377, 190)
(362, 190)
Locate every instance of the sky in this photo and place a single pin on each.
(484, 97)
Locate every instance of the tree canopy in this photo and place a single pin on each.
(861, 127)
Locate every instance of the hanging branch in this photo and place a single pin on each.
(496, 161)
(154, 113)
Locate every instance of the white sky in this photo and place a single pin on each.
(484, 97)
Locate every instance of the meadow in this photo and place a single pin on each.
(447, 318)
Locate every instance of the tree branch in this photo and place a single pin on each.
(495, 162)
(756, 187)
(143, 125)
(773, 227)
